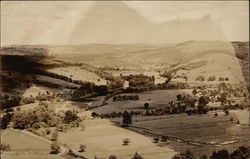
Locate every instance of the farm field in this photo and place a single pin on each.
(154, 98)
(101, 135)
(208, 132)
(24, 146)
(242, 115)
(79, 73)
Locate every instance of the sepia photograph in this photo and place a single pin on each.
(124, 79)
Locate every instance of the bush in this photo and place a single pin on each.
(5, 147)
(47, 131)
(221, 154)
(137, 156)
(203, 157)
(146, 105)
(125, 141)
(70, 116)
(241, 153)
(5, 120)
(54, 135)
(28, 100)
(156, 140)
(215, 114)
(82, 148)
(35, 118)
(186, 155)
(112, 157)
(127, 119)
(55, 148)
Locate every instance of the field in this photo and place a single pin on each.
(101, 135)
(94, 63)
(79, 73)
(154, 98)
(25, 146)
(202, 134)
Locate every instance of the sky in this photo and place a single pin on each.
(53, 23)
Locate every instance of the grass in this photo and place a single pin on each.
(204, 128)
(20, 142)
(24, 146)
(103, 139)
(154, 98)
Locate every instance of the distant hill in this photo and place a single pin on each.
(117, 23)
(213, 57)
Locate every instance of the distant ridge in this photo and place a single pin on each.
(115, 22)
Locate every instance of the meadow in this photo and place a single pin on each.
(202, 134)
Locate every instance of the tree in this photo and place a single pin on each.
(241, 153)
(215, 114)
(54, 148)
(163, 139)
(186, 155)
(137, 156)
(5, 147)
(54, 135)
(127, 119)
(179, 97)
(82, 148)
(112, 157)
(70, 116)
(156, 140)
(221, 154)
(203, 101)
(195, 92)
(6, 97)
(146, 105)
(5, 120)
(226, 111)
(125, 141)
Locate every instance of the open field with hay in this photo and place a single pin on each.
(25, 146)
(202, 133)
(101, 135)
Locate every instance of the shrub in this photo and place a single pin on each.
(137, 156)
(215, 114)
(4, 147)
(82, 148)
(48, 131)
(203, 157)
(226, 112)
(112, 157)
(156, 140)
(146, 105)
(125, 141)
(221, 154)
(70, 116)
(127, 119)
(5, 120)
(54, 135)
(55, 148)
(28, 100)
(241, 153)
(186, 155)
(164, 139)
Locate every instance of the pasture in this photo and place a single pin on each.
(154, 98)
(208, 132)
(103, 139)
(25, 146)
